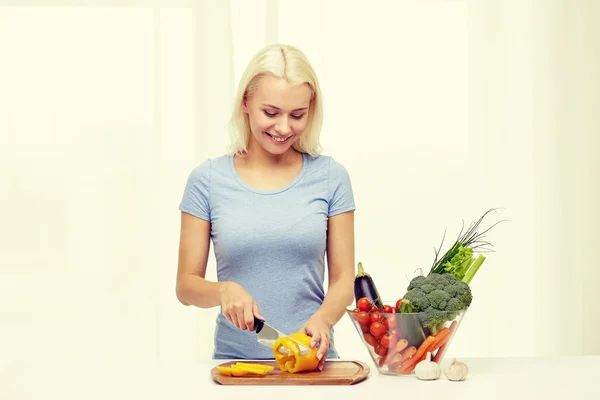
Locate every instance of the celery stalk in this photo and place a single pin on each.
(471, 271)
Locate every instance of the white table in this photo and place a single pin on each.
(564, 378)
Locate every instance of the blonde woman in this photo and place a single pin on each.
(275, 210)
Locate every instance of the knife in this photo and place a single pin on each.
(267, 335)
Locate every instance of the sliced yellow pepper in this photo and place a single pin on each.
(233, 370)
(255, 367)
(294, 361)
(242, 369)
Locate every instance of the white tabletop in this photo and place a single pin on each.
(565, 378)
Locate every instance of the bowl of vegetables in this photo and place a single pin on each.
(397, 338)
(420, 326)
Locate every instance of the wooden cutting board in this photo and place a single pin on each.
(335, 372)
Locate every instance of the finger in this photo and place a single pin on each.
(323, 346)
(256, 312)
(234, 320)
(248, 318)
(321, 364)
(241, 319)
(228, 317)
(316, 338)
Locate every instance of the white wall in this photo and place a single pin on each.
(439, 110)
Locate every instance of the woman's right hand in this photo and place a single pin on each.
(238, 306)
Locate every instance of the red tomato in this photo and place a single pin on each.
(390, 322)
(380, 350)
(389, 340)
(362, 318)
(388, 309)
(376, 317)
(363, 304)
(398, 303)
(377, 329)
(371, 339)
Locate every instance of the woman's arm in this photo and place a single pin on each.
(194, 245)
(192, 289)
(340, 260)
(340, 293)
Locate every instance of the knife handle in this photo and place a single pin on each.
(258, 324)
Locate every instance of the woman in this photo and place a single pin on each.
(273, 208)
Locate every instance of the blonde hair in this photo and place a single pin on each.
(289, 63)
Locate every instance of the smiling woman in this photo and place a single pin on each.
(273, 208)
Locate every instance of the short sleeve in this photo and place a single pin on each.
(341, 196)
(196, 195)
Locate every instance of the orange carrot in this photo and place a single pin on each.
(401, 345)
(441, 335)
(442, 346)
(397, 360)
(421, 353)
(439, 344)
(408, 353)
(453, 326)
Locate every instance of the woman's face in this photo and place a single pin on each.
(278, 113)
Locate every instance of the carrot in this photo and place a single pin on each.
(439, 344)
(442, 345)
(453, 326)
(421, 353)
(401, 345)
(439, 337)
(401, 357)
(408, 353)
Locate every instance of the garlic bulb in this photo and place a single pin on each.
(456, 371)
(427, 370)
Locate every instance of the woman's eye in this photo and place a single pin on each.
(268, 114)
(298, 116)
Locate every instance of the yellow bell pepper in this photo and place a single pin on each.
(294, 361)
(243, 369)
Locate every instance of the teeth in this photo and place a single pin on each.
(279, 139)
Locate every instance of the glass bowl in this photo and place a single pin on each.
(397, 342)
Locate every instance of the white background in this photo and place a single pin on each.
(439, 110)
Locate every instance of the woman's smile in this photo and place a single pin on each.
(278, 139)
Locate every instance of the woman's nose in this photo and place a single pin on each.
(284, 127)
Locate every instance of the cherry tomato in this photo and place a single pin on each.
(380, 350)
(390, 322)
(388, 309)
(363, 304)
(376, 317)
(362, 318)
(374, 309)
(389, 340)
(398, 303)
(371, 339)
(377, 329)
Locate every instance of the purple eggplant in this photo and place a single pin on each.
(365, 287)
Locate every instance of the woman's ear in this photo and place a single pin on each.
(245, 103)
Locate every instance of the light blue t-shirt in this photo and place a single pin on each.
(271, 242)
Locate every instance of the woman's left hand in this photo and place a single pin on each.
(319, 330)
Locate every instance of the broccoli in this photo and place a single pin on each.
(432, 318)
(437, 298)
(416, 282)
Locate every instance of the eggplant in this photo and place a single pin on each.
(365, 287)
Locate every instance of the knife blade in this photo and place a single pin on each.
(267, 335)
